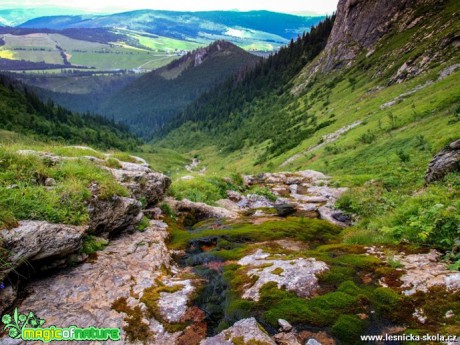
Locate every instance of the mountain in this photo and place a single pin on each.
(151, 100)
(17, 16)
(258, 30)
(23, 112)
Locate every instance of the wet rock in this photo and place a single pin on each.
(246, 331)
(112, 216)
(285, 326)
(298, 275)
(38, 240)
(445, 162)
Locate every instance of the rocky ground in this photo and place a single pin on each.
(135, 283)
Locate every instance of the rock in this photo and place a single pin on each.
(313, 342)
(246, 331)
(153, 213)
(445, 162)
(449, 314)
(285, 326)
(197, 211)
(286, 339)
(234, 196)
(285, 209)
(174, 305)
(228, 205)
(420, 316)
(331, 215)
(7, 296)
(38, 240)
(84, 295)
(193, 334)
(50, 182)
(298, 275)
(108, 217)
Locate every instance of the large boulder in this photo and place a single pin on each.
(445, 162)
(38, 240)
(195, 212)
(246, 331)
(108, 217)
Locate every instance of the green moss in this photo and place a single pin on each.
(92, 244)
(136, 330)
(348, 329)
(144, 224)
(277, 271)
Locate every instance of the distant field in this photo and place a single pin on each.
(49, 48)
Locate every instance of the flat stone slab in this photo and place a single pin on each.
(298, 275)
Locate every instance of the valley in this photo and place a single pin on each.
(200, 193)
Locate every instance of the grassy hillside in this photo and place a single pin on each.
(384, 153)
(23, 112)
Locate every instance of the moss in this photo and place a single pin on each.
(150, 298)
(92, 244)
(143, 224)
(277, 271)
(348, 328)
(136, 330)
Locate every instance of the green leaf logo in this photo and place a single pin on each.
(14, 324)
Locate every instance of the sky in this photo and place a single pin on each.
(287, 6)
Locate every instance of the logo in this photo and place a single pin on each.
(28, 327)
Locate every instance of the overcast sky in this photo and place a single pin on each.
(290, 6)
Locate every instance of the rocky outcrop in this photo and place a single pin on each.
(36, 240)
(445, 162)
(246, 331)
(298, 275)
(142, 182)
(108, 217)
(84, 295)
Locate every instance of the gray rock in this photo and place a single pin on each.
(37, 240)
(234, 196)
(313, 342)
(445, 162)
(174, 305)
(247, 330)
(199, 211)
(286, 339)
(114, 215)
(298, 275)
(7, 297)
(285, 326)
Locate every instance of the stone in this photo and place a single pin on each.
(113, 216)
(234, 196)
(298, 275)
(313, 342)
(285, 209)
(200, 211)
(285, 326)
(38, 240)
(445, 162)
(7, 297)
(286, 339)
(50, 182)
(174, 305)
(84, 295)
(246, 331)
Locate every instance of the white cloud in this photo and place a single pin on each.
(317, 6)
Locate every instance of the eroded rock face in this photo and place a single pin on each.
(197, 211)
(246, 331)
(84, 295)
(298, 275)
(37, 240)
(111, 216)
(445, 162)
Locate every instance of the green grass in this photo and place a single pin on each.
(24, 196)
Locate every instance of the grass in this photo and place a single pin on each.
(24, 196)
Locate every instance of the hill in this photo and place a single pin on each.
(150, 101)
(23, 112)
